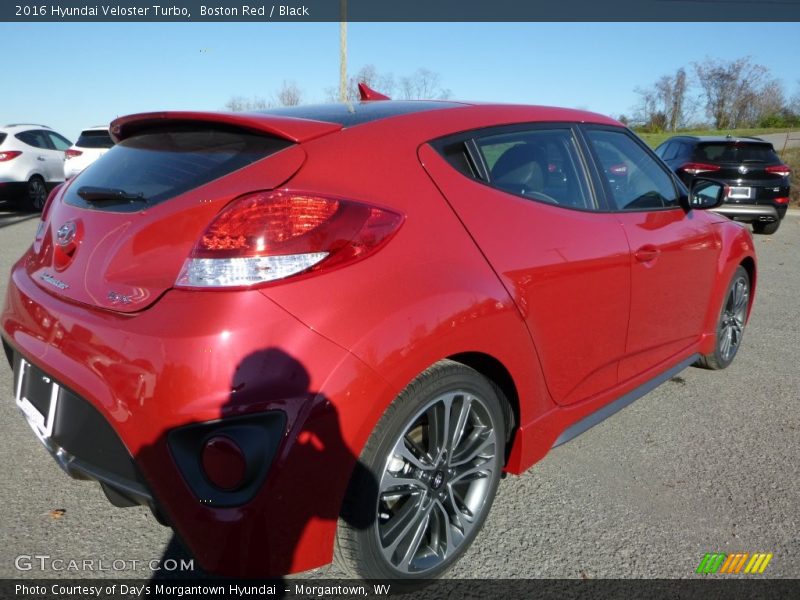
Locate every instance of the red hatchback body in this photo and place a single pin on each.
(328, 323)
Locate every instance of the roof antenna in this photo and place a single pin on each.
(368, 94)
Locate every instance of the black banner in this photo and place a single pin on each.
(400, 11)
(210, 589)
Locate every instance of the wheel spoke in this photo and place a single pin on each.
(409, 452)
(421, 524)
(400, 525)
(478, 443)
(480, 471)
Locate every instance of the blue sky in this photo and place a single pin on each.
(73, 75)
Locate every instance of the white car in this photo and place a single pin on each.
(91, 145)
(31, 163)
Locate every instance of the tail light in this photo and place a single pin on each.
(269, 236)
(9, 155)
(782, 170)
(784, 200)
(71, 153)
(694, 168)
(619, 170)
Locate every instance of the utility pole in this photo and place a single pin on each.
(343, 51)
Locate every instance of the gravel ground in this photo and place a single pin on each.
(708, 462)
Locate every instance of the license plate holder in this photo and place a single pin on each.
(36, 395)
(740, 193)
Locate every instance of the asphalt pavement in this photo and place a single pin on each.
(707, 462)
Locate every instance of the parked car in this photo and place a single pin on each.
(91, 145)
(757, 180)
(31, 163)
(330, 329)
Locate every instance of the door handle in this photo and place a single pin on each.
(42, 158)
(647, 253)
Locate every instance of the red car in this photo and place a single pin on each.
(330, 329)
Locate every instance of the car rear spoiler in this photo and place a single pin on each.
(288, 128)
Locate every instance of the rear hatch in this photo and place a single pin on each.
(750, 167)
(117, 235)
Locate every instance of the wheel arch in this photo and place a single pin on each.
(496, 372)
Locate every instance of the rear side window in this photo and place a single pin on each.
(35, 138)
(94, 139)
(2, 138)
(59, 141)
(635, 179)
(736, 152)
(162, 164)
(541, 164)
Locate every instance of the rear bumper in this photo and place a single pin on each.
(202, 359)
(765, 213)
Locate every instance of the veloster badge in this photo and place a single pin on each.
(46, 277)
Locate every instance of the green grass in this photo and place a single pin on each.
(792, 158)
(654, 139)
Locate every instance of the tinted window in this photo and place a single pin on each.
(94, 139)
(59, 141)
(541, 164)
(2, 138)
(35, 138)
(736, 152)
(164, 163)
(635, 179)
(670, 152)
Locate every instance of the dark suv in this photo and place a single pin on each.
(756, 179)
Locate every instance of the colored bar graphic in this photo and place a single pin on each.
(719, 562)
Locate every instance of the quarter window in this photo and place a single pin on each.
(634, 179)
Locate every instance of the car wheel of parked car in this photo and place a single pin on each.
(766, 228)
(432, 465)
(730, 327)
(36, 193)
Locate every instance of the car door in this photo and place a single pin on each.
(674, 252)
(524, 196)
(56, 156)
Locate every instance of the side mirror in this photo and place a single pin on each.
(705, 193)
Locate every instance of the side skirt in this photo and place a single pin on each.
(606, 411)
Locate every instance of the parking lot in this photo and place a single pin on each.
(708, 462)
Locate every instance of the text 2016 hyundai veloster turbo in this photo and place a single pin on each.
(328, 330)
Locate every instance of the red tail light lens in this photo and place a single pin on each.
(269, 236)
(694, 168)
(782, 170)
(618, 170)
(784, 200)
(71, 153)
(9, 155)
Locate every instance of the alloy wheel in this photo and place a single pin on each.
(436, 482)
(733, 318)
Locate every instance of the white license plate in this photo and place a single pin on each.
(36, 395)
(741, 193)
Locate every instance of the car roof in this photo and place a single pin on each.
(14, 127)
(303, 123)
(717, 139)
(95, 128)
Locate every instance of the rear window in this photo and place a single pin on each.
(161, 164)
(94, 139)
(736, 152)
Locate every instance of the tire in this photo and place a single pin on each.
(426, 496)
(731, 322)
(766, 228)
(35, 194)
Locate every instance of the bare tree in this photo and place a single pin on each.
(663, 105)
(289, 94)
(731, 90)
(423, 84)
(242, 104)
